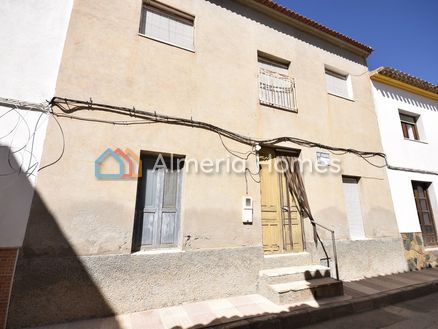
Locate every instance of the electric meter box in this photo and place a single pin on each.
(247, 210)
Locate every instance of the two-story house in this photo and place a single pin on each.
(263, 127)
(406, 107)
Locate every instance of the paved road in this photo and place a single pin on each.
(420, 313)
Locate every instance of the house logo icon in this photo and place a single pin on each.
(125, 164)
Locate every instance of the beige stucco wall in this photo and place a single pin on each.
(106, 59)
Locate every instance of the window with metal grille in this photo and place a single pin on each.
(167, 25)
(276, 88)
(409, 126)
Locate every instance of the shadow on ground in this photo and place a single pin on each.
(47, 266)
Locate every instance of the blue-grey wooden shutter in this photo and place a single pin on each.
(161, 204)
(169, 208)
(151, 196)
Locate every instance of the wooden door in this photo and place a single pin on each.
(270, 205)
(281, 221)
(159, 206)
(425, 215)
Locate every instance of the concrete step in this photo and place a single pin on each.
(302, 291)
(287, 260)
(293, 273)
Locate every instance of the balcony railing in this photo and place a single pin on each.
(277, 90)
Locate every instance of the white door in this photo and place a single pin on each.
(353, 207)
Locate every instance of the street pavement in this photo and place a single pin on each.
(419, 313)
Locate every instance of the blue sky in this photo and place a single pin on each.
(403, 33)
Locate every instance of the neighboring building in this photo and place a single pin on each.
(33, 35)
(407, 112)
(97, 245)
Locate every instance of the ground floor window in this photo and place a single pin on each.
(425, 214)
(157, 223)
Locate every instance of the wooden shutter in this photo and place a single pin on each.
(353, 207)
(151, 193)
(160, 203)
(425, 214)
(169, 208)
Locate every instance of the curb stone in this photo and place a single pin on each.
(307, 316)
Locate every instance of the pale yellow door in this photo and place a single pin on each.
(281, 222)
(270, 201)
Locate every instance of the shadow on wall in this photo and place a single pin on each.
(16, 195)
(405, 97)
(256, 16)
(46, 276)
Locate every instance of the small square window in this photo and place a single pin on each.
(409, 126)
(167, 26)
(338, 84)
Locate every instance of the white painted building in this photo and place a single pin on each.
(407, 111)
(33, 34)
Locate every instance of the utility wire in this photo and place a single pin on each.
(63, 146)
(18, 107)
(70, 106)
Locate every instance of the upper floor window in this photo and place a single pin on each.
(338, 84)
(409, 126)
(276, 88)
(167, 25)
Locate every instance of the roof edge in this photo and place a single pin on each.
(311, 26)
(399, 79)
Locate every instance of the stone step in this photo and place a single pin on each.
(293, 273)
(285, 260)
(302, 291)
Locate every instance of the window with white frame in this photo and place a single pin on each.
(276, 87)
(338, 84)
(167, 25)
(409, 126)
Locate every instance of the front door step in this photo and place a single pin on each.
(302, 291)
(288, 259)
(294, 273)
(298, 284)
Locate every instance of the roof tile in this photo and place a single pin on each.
(292, 14)
(406, 78)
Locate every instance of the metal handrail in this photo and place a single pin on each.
(335, 253)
